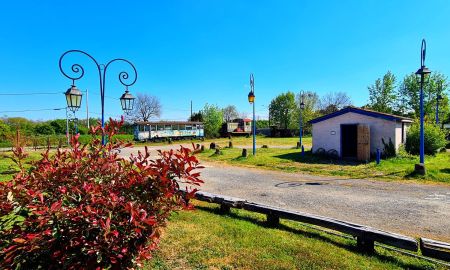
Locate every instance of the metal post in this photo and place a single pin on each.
(422, 136)
(254, 130)
(67, 125)
(87, 108)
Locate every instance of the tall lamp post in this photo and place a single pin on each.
(251, 100)
(422, 77)
(73, 95)
(438, 98)
(302, 107)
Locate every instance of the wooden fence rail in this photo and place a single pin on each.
(365, 235)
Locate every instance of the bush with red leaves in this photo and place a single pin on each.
(88, 208)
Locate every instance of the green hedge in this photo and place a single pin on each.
(434, 139)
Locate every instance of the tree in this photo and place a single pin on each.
(229, 113)
(196, 117)
(310, 111)
(59, 126)
(44, 129)
(19, 123)
(212, 120)
(146, 107)
(282, 110)
(262, 123)
(382, 94)
(410, 89)
(5, 131)
(333, 102)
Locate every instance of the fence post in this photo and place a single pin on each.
(378, 156)
(365, 245)
(303, 150)
(272, 220)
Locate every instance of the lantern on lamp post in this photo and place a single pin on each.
(73, 95)
(127, 101)
(73, 98)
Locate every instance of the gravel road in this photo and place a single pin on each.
(406, 208)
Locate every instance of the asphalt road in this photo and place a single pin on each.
(401, 207)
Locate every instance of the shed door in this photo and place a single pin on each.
(363, 142)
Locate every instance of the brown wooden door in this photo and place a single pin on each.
(363, 142)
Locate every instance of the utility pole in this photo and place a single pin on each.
(191, 109)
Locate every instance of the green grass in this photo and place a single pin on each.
(291, 160)
(242, 141)
(8, 168)
(203, 239)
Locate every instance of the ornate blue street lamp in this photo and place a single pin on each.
(251, 100)
(302, 108)
(422, 77)
(73, 95)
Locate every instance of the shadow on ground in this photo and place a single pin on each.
(348, 242)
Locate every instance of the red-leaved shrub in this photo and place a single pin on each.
(89, 208)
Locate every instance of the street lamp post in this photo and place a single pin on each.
(302, 107)
(422, 75)
(251, 100)
(73, 95)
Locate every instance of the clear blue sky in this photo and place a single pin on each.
(204, 50)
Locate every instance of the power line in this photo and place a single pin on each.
(30, 94)
(32, 110)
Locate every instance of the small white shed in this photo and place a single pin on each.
(353, 129)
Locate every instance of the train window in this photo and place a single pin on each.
(140, 127)
(168, 127)
(200, 126)
(152, 127)
(194, 127)
(160, 127)
(188, 127)
(175, 127)
(182, 127)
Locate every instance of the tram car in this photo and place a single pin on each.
(159, 131)
(237, 127)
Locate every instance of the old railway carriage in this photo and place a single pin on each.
(157, 131)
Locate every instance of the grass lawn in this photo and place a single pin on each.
(8, 168)
(203, 239)
(242, 141)
(291, 160)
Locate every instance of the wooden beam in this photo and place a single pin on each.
(365, 235)
(435, 249)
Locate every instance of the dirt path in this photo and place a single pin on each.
(406, 208)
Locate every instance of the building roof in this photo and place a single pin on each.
(168, 123)
(375, 114)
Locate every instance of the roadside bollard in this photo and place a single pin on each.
(303, 150)
(230, 144)
(244, 152)
(378, 156)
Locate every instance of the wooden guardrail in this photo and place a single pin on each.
(365, 235)
(435, 249)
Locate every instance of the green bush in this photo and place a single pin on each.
(434, 139)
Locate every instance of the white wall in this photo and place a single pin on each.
(379, 128)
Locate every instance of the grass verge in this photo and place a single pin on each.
(291, 160)
(204, 239)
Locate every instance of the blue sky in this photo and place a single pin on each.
(205, 50)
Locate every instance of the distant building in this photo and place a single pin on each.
(357, 133)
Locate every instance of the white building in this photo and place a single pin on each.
(352, 130)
